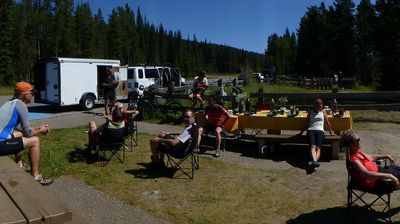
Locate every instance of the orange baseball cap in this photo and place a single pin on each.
(22, 87)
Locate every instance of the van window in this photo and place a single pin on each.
(140, 73)
(151, 73)
(130, 73)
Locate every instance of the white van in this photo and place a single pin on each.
(140, 77)
(73, 81)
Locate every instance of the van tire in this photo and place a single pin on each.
(87, 102)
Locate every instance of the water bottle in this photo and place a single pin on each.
(334, 106)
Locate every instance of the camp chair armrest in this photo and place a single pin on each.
(379, 162)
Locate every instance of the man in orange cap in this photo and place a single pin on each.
(12, 114)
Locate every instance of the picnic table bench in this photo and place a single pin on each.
(23, 200)
(264, 139)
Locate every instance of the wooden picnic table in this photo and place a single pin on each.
(279, 122)
(24, 200)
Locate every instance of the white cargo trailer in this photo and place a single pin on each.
(73, 81)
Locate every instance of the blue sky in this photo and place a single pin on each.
(238, 23)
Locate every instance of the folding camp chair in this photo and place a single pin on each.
(132, 133)
(190, 154)
(356, 194)
(111, 143)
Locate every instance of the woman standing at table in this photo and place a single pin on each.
(316, 119)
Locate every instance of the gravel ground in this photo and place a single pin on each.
(97, 207)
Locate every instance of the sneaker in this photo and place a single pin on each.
(216, 153)
(43, 180)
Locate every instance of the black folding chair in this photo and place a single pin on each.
(132, 134)
(188, 153)
(356, 194)
(111, 143)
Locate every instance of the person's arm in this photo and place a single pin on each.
(375, 175)
(205, 83)
(107, 117)
(328, 123)
(27, 130)
(226, 114)
(381, 157)
(131, 112)
(307, 124)
(172, 142)
(22, 110)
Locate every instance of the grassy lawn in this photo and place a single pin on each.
(221, 192)
(6, 90)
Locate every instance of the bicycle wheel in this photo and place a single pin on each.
(173, 111)
(146, 110)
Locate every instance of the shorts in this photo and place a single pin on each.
(11, 146)
(178, 151)
(198, 91)
(316, 137)
(384, 187)
(210, 128)
(394, 170)
(109, 93)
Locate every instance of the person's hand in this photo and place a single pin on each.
(391, 160)
(44, 129)
(300, 133)
(395, 182)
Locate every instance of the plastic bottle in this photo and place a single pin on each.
(334, 106)
(248, 105)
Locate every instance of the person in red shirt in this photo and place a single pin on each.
(365, 171)
(216, 116)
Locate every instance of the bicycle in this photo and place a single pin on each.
(143, 103)
(149, 104)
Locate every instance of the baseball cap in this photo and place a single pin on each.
(119, 105)
(22, 87)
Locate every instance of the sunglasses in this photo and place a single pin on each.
(187, 117)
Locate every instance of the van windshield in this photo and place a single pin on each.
(151, 73)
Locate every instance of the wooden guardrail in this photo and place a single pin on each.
(390, 96)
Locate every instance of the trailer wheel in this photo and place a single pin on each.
(87, 103)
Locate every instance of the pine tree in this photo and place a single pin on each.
(365, 42)
(7, 72)
(100, 37)
(84, 23)
(388, 44)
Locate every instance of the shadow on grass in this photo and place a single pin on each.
(82, 155)
(337, 215)
(151, 171)
(294, 154)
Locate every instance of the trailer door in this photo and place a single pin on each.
(52, 82)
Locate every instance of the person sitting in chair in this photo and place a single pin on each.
(113, 122)
(216, 116)
(172, 145)
(366, 172)
(200, 85)
(126, 113)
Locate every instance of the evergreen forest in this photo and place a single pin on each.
(361, 41)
